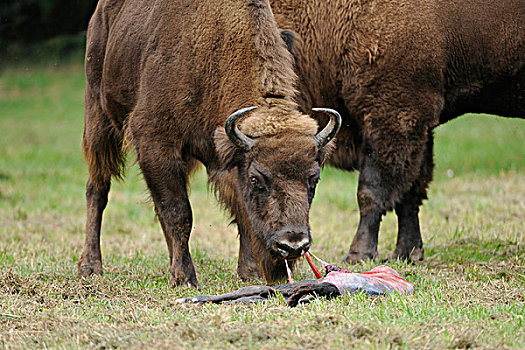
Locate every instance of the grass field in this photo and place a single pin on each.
(469, 292)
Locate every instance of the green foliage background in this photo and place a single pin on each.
(40, 28)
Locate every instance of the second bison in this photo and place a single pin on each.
(396, 70)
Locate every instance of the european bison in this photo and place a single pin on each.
(165, 75)
(396, 70)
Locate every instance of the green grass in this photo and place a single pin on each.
(469, 290)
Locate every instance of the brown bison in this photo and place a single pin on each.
(165, 75)
(396, 70)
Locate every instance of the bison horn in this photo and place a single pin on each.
(234, 134)
(330, 130)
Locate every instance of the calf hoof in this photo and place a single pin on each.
(353, 257)
(87, 268)
(414, 255)
(199, 299)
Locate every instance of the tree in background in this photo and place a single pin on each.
(26, 22)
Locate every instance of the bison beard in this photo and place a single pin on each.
(381, 280)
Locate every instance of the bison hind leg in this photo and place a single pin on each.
(97, 197)
(104, 156)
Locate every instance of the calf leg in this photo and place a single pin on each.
(307, 291)
(246, 294)
(166, 178)
(409, 242)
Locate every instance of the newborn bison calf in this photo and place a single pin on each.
(381, 280)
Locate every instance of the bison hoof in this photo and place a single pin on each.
(353, 257)
(414, 255)
(87, 269)
(186, 282)
(246, 276)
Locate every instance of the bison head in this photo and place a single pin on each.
(272, 178)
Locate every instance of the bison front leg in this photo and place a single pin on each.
(371, 200)
(166, 178)
(409, 242)
(392, 154)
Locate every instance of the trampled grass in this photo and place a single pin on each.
(470, 290)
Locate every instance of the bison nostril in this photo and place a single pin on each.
(292, 250)
(283, 249)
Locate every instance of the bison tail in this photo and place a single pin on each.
(103, 146)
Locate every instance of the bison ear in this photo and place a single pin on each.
(290, 39)
(325, 152)
(227, 152)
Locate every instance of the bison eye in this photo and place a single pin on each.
(313, 180)
(253, 181)
(256, 182)
(257, 179)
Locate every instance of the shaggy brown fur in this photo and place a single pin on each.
(167, 74)
(397, 69)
